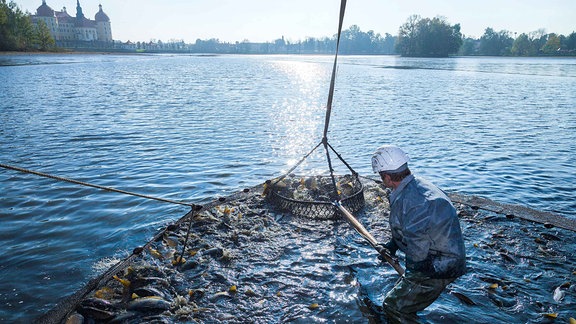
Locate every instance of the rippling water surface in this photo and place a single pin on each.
(193, 128)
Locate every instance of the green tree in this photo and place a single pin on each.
(354, 41)
(523, 46)
(387, 45)
(469, 46)
(428, 37)
(570, 42)
(407, 37)
(552, 46)
(7, 37)
(495, 43)
(43, 37)
(16, 29)
(539, 39)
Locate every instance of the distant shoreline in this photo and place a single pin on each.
(65, 52)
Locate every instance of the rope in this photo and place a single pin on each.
(295, 166)
(333, 80)
(330, 97)
(93, 185)
(342, 159)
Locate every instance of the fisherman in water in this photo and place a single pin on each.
(424, 226)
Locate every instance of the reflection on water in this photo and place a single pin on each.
(194, 128)
(297, 120)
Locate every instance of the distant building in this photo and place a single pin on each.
(64, 27)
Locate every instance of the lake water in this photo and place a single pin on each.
(194, 128)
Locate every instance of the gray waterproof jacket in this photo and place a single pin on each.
(425, 226)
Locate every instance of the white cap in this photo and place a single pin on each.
(389, 158)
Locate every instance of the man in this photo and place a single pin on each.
(425, 226)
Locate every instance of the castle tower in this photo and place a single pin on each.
(79, 14)
(46, 14)
(85, 29)
(103, 26)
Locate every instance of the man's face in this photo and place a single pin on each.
(386, 180)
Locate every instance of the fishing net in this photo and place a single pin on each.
(313, 196)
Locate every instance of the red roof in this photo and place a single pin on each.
(85, 22)
(63, 16)
(44, 10)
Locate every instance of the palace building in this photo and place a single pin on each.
(64, 27)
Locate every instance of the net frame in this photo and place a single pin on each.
(316, 208)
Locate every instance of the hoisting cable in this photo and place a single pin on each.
(333, 79)
(93, 185)
(354, 173)
(330, 98)
(337, 202)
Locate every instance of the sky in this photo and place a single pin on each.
(268, 20)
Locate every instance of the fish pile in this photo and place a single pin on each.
(245, 261)
(316, 188)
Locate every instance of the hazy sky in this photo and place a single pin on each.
(268, 20)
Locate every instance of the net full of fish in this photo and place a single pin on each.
(247, 261)
(316, 188)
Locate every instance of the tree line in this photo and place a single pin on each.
(537, 43)
(422, 37)
(18, 33)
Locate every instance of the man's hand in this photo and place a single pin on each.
(387, 248)
(391, 246)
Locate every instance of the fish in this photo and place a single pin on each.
(559, 294)
(149, 281)
(550, 237)
(75, 319)
(221, 294)
(250, 293)
(178, 260)
(463, 298)
(97, 308)
(104, 293)
(346, 189)
(311, 183)
(149, 291)
(266, 188)
(196, 294)
(501, 301)
(302, 194)
(124, 282)
(155, 253)
(214, 252)
(189, 265)
(171, 240)
(508, 258)
(149, 304)
(313, 306)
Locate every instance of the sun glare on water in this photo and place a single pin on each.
(299, 119)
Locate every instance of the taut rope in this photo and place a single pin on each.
(93, 185)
